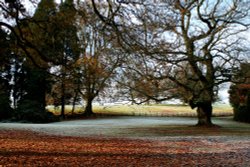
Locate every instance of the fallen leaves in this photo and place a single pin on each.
(26, 148)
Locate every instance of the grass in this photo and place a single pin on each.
(146, 110)
(68, 109)
(184, 130)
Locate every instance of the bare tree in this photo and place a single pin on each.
(137, 81)
(100, 58)
(200, 41)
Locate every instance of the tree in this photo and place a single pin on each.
(20, 22)
(93, 75)
(240, 94)
(34, 44)
(67, 43)
(94, 72)
(32, 79)
(35, 86)
(5, 76)
(99, 58)
(135, 80)
(204, 36)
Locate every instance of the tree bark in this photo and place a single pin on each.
(204, 113)
(88, 109)
(74, 102)
(62, 100)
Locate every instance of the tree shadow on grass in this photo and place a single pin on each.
(185, 131)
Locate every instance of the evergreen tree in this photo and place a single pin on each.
(5, 77)
(68, 47)
(33, 82)
(240, 94)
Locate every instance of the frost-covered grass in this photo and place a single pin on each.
(147, 110)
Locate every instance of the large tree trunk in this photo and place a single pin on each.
(204, 113)
(88, 109)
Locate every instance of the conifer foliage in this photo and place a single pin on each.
(240, 94)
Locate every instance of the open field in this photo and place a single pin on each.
(148, 110)
(158, 110)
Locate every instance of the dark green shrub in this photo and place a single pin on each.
(5, 109)
(240, 100)
(242, 114)
(31, 111)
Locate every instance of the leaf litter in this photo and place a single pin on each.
(27, 148)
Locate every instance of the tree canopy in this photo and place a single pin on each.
(196, 45)
(155, 50)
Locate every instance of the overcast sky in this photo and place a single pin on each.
(223, 93)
